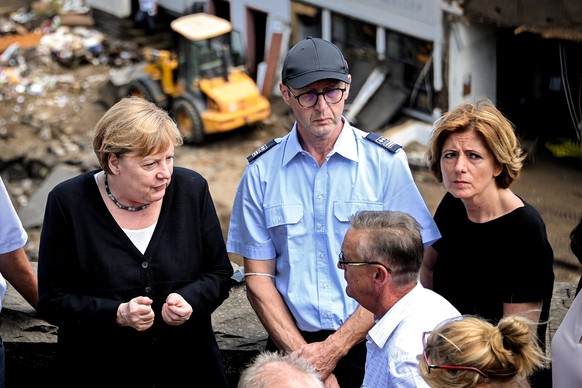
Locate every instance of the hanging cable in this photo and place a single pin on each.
(569, 99)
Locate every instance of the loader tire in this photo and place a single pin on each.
(149, 90)
(188, 120)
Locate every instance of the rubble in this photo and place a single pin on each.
(52, 63)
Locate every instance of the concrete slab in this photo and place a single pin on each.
(32, 214)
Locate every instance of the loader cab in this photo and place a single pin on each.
(204, 84)
(209, 58)
(208, 48)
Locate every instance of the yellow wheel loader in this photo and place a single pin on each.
(203, 85)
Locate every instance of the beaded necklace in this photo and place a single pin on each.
(119, 204)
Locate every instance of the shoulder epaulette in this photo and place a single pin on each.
(262, 149)
(384, 142)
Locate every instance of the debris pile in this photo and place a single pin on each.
(53, 62)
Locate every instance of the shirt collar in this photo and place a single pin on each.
(345, 144)
(394, 316)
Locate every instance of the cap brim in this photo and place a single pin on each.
(305, 79)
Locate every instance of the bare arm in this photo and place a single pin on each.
(279, 323)
(428, 263)
(17, 270)
(326, 354)
(530, 310)
(270, 307)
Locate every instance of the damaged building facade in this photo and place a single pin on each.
(417, 58)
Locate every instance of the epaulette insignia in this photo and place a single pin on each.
(262, 149)
(384, 142)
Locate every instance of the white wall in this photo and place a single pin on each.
(412, 17)
(472, 62)
(177, 6)
(418, 18)
(276, 9)
(278, 21)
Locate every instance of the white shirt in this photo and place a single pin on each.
(395, 342)
(12, 234)
(567, 349)
(141, 237)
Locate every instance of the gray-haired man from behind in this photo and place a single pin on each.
(381, 258)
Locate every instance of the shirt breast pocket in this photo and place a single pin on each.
(287, 229)
(343, 210)
(285, 226)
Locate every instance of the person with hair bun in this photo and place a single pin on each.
(472, 352)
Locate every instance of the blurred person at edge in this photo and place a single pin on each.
(15, 265)
(494, 257)
(291, 211)
(132, 261)
(146, 15)
(381, 257)
(473, 353)
(566, 343)
(576, 248)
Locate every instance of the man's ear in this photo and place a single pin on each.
(381, 274)
(347, 86)
(284, 93)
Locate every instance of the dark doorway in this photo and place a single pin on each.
(256, 33)
(539, 85)
(221, 9)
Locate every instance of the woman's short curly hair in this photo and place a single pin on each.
(492, 127)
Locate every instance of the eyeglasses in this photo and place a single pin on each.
(342, 263)
(452, 367)
(309, 99)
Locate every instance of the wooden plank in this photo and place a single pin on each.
(272, 59)
(25, 40)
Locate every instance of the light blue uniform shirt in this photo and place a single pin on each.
(289, 208)
(12, 235)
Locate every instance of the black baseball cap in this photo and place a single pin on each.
(311, 60)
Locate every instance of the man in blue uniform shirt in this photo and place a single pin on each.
(292, 209)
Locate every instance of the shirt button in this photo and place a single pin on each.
(144, 264)
(148, 290)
